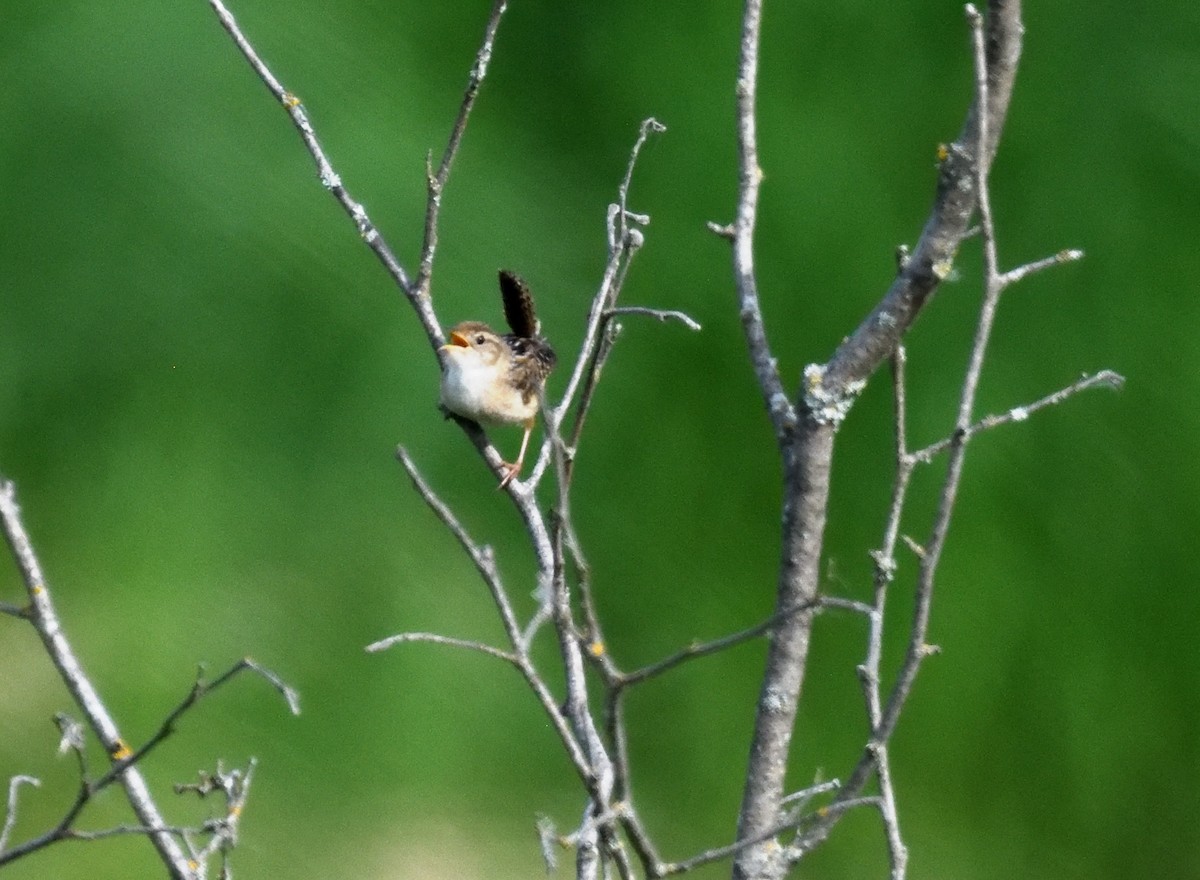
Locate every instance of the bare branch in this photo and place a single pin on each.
(640, 840)
(122, 831)
(13, 610)
(436, 183)
(434, 638)
(885, 718)
(798, 799)
(741, 232)
(992, 282)
(1012, 276)
(722, 852)
(933, 256)
(897, 851)
(993, 287)
(703, 649)
(900, 398)
(720, 230)
(619, 230)
(593, 841)
(615, 850)
(548, 838)
(660, 314)
(10, 815)
(200, 689)
(828, 392)
(289, 694)
(45, 620)
(841, 604)
(485, 564)
(597, 841)
(624, 242)
(329, 177)
(123, 759)
(234, 786)
(841, 807)
(885, 556)
(1104, 378)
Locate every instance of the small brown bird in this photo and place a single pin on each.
(498, 379)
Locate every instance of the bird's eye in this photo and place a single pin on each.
(479, 338)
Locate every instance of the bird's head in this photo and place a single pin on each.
(474, 341)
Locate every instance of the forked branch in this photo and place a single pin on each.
(883, 716)
(177, 847)
(825, 397)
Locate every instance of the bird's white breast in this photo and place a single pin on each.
(477, 390)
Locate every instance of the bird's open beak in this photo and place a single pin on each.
(457, 340)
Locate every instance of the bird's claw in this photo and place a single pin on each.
(511, 471)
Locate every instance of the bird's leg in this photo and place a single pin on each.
(515, 468)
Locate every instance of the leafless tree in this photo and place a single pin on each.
(776, 828)
(611, 835)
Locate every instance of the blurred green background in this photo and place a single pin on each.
(204, 373)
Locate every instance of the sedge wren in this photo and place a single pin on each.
(498, 379)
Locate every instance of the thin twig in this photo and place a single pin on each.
(124, 831)
(1012, 276)
(608, 756)
(885, 569)
(660, 314)
(14, 610)
(200, 689)
(222, 831)
(485, 564)
(897, 851)
(741, 232)
(434, 638)
(841, 604)
(841, 807)
(704, 649)
(715, 854)
(932, 258)
(620, 231)
(993, 288)
(597, 842)
(639, 839)
(799, 799)
(539, 619)
(593, 822)
(609, 332)
(593, 632)
(124, 759)
(592, 843)
(10, 815)
(329, 177)
(615, 850)
(624, 243)
(617, 683)
(436, 183)
(1104, 378)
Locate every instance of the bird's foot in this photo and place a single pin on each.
(510, 473)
